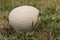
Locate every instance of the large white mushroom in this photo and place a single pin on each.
(21, 18)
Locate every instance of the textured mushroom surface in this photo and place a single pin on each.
(21, 18)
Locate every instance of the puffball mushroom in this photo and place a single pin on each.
(21, 18)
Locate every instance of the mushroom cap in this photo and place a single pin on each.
(21, 18)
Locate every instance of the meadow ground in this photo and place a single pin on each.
(49, 27)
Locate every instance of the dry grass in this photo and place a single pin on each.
(49, 29)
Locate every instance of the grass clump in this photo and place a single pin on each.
(49, 27)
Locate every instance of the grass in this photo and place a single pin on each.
(49, 27)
